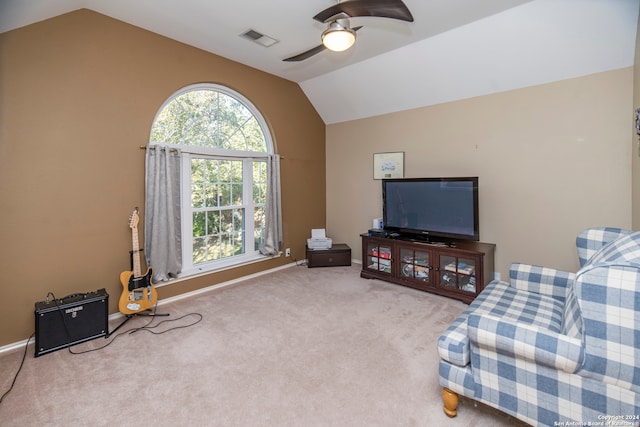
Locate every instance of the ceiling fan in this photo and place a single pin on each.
(339, 35)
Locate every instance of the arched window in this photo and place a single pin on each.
(225, 143)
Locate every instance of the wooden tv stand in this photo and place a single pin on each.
(459, 270)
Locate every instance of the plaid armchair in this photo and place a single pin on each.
(554, 347)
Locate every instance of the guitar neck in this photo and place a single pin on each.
(135, 256)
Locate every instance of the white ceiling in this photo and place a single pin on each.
(454, 49)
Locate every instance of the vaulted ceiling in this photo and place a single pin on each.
(453, 50)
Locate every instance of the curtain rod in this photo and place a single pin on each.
(151, 147)
(144, 147)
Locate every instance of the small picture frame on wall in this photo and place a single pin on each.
(388, 165)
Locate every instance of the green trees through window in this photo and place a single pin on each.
(225, 144)
(208, 118)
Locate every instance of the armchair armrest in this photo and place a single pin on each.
(541, 280)
(527, 342)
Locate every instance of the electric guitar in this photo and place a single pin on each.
(138, 293)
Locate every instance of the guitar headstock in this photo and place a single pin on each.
(133, 218)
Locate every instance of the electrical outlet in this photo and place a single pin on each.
(287, 252)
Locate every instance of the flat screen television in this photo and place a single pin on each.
(431, 208)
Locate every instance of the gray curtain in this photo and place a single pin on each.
(273, 230)
(162, 230)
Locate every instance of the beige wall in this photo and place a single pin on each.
(78, 94)
(551, 161)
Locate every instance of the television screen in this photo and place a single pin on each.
(433, 207)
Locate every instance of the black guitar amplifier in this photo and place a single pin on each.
(71, 320)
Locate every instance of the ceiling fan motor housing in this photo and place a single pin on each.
(338, 36)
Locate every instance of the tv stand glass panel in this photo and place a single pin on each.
(415, 264)
(459, 269)
(378, 257)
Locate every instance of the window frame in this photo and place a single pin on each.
(190, 152)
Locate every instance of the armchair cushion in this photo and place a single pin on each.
(502, 301)
(521, 341)
(541, 280)
(555, 283)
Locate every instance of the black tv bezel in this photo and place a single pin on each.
(433, 235)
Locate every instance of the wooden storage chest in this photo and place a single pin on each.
(338, 255)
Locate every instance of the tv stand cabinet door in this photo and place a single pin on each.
(415, 265)
(377, 257)
(460, 273)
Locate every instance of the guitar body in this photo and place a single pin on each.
(138, 293)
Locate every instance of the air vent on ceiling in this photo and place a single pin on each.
(259, 38)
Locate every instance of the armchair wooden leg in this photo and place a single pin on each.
(450, 399)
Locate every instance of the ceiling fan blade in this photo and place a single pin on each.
(313, 51)
(394, 9)
(307, 54)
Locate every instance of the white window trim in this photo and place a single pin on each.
(250, 254)
(189, 270)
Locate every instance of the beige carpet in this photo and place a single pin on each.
(298, 347)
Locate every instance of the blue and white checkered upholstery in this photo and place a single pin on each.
(554, 347)
(592, 240)
(609, 294)
(541, 280)
(502, 301)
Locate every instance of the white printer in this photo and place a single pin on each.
(319, 240)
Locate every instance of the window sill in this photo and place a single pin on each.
(217, 267)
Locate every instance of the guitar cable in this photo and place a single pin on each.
(146, 327)
(15, 377)
(24, 354)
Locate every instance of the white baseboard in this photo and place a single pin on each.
(115, 316)
(220, 285)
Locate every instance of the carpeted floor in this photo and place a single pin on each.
(298, 347)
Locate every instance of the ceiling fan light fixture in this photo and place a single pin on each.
(338, 36)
